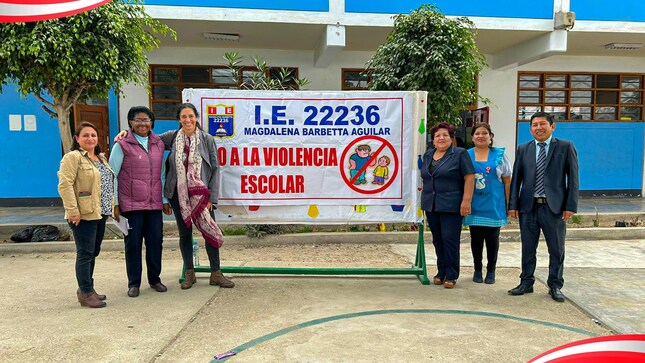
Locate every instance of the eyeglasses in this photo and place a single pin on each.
(142, 120)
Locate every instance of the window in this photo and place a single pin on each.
(355, 79)
(360, 79)
(581, 96)
(167, 82)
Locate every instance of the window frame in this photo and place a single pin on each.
(180, 84)
(594, 103)
(474, 105)
(343, 79)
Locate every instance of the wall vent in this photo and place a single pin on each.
(228, 37)
(624, 46)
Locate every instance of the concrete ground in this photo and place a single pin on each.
(320, 319)
(317, 319)
(606, 211)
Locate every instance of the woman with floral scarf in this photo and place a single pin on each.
(192, 186)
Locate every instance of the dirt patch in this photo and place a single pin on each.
(324, 254)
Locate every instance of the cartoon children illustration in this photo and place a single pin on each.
(358, 160)
(381, 172)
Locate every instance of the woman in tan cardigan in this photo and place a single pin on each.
(86, 186)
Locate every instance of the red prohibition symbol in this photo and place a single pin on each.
(375, 155)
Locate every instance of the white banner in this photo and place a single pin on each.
(315, 151)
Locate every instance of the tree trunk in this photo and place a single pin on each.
(64, 127)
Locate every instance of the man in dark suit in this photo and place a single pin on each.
(544, 194)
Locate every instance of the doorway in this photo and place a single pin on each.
(98, 116)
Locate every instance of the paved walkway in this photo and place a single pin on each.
(607, 211)
(318, 319)
(54, 215)
(306, 319)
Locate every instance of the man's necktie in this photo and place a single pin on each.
(540, 167)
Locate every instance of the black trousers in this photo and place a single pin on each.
(554, 229)
(88, 236)
(186, 239)
(479, 235)
(144, 225)
(446, 232)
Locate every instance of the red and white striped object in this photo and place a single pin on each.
(628, 348)
(12, 11)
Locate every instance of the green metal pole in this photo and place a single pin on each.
(421, 257)
(418, 269)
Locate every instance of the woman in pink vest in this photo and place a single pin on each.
(137, 161)
(192, 185)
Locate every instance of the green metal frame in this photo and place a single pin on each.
(418, 269)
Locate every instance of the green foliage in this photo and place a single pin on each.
(596, 221)
(262, 230)
(234, 231)
(575, 219)
(428, 52)
(80, 56)
(259, 79)
(304, 229)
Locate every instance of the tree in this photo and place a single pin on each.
(260, 78)
(79, 57)
(426, 51)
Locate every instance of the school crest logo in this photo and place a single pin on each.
(221, 120)
(12, 11)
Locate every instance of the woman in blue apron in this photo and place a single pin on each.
(490, 200)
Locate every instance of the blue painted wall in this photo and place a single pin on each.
(299, 5)
(609, 10)
(535, 9)
(164, 125)
(113, 114)
(610, 154)
(29, 159)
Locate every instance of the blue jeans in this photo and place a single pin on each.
(88, 236)
(186, 239)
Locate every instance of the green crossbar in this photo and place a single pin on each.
(418, 269)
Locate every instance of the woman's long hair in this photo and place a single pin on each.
(77, 133)
(192, 107)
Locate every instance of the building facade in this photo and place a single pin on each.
(588, 71)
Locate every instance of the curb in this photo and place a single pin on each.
(511, 235)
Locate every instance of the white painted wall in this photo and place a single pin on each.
(499, 86)
(321, 79)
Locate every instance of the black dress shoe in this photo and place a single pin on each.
(133, 292)
(520, 290)
(556, 294)
(159, 287)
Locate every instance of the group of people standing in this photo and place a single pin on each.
(476, 188)
(479, 189)
(138, 185)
